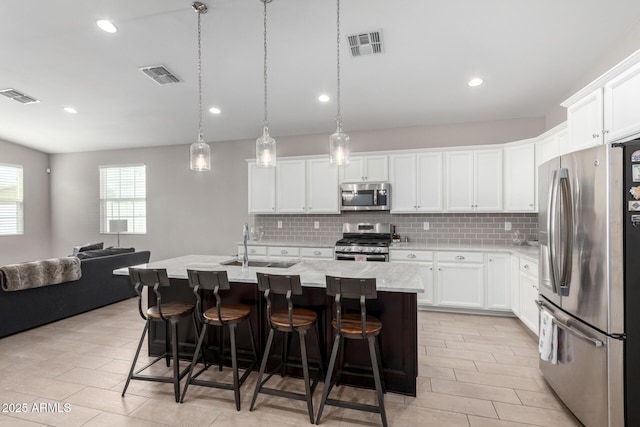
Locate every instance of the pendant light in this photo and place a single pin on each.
(339, 141)
(200, 152)
(265, 145)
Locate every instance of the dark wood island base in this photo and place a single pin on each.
(398, 339)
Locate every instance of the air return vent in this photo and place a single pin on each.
(366, 43)
(18, 96)
(160, 74)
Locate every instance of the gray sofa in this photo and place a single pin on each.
(25, 309)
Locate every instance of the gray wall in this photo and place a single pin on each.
(627, 45)
(189, 212)
(35, 243)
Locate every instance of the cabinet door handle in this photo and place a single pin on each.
(430, 268)
(252, 251)
(531, 205)
(595, 135)
(605, 131)
(317, 253)
(411, 256)
(526, 266)
(459, 257)
(439, 269)
(284, 252)
(490, 259)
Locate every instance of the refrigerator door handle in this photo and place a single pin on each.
(568, 328)
(566, 230)
(552, 229)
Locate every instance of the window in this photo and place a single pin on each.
(11, 215)
(123, 196)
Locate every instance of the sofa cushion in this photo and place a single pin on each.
(87, 247)
(96, 253)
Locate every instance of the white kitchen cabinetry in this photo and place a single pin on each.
(283, 252)
(585, 121)
(528, 285)
(262, 189)
(520, 178)
(322, 187)
(622, 105)
(254, 252)
(416, 182)
(290, 186)
(372, 168)
(514, 280)
(424, 260)
(498, 279)
(460, 280)
(473, 180)
(316, 253)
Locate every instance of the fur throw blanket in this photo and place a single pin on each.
(16, 277)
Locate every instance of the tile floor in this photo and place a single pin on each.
(475, 371)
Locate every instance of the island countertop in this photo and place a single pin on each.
(391, 277)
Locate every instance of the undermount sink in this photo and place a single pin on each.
(272, 264)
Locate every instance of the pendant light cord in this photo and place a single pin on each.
(338, 117)
(265, 122)
(200, 138)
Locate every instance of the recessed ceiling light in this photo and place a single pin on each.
(106, 26)
(214, 110)
(324, 98)
(71, 110)
(475, 82)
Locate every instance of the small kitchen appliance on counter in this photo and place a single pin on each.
(364, 242)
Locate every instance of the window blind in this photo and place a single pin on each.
(123, 196)
(11, 200)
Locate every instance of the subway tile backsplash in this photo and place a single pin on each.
(444, 228)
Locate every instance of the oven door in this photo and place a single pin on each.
(369, 257)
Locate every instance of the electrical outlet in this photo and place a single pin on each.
(316, 225)
(507, 226)
(425, 225)
(279, 224)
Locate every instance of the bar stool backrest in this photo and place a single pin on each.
(351, 288)
(279, 284)
(149, 277)
(211, 281)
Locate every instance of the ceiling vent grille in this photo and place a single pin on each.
(18, 96)
(369, 43)
(160, 74)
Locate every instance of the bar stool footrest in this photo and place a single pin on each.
(353, 405)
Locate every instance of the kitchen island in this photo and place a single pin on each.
(396, 306)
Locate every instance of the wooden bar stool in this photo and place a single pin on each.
(288, 321)
(359, 326)
(170, 313)
(230, 315)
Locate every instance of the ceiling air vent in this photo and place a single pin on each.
(160, 74)
(366, 43)
(18, 96)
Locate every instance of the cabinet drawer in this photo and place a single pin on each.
(529, 267)
(253, 250)
(284, 251)
(317, 253)
(409, 255)
(461, 256)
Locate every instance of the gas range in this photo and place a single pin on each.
(364, 242)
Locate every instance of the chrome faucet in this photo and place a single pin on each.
(245, 237)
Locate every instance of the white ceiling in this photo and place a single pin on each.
(530, 54)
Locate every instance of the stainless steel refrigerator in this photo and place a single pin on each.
(589, 224)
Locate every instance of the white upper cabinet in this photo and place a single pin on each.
(372, 168)
(322, 187)
(262, 189)
(416, 182)
(585, 121)
(519, 177)
(473, 180)
(290, 186)
(622, 105)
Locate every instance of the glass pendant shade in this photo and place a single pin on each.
(339, 147)
(265, 150)
(200, 155)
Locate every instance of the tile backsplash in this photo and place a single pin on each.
(444, 228)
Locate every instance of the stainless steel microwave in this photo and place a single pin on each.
(365, 196)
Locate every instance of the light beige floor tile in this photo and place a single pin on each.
(240, 420)
(47, 388)
(429, 334)
(444, 362)
(106, 400)
(524, 351)
(91, 377)
(535, 416)
(120, 353)
(414, 416)
(448, 402)
(106, 419)
(531, 362)
(460, 354)
(499, 380)
(433, 343)
(539, 400)
(479, 391)
(489, 348)
(435, 372)
(9, 421)
(58, 414)
(173, 413)
(489, 422)
(454, 330)
(89, 361)
(513, 370)
(423, 383)
(509, 340)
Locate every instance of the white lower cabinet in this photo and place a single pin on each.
(254, 252)
(316, 253)
(528, 286)
(498, 279)
(460, 285)
(424, 259)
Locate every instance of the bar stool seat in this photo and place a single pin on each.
(171, 309)
(352, 325)
(228, 313)
(301, 318)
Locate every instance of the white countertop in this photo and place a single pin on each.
(390, 277)
(299, 243)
